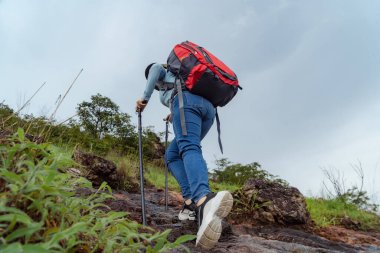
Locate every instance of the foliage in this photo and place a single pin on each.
(238, 174)
(7, 116)
(98, 117)
(327, 212)
(223, 186)
(354, 195)
(112, 129)
(149, 142)
(100, 128)
(5, 110)
(41, 212)
(243, 204)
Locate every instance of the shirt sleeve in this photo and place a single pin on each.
(156, 73)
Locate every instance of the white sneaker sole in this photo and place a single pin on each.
(183, 216)
(211, 228)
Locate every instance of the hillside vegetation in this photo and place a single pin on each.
(41, 211)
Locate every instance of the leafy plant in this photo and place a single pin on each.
(244, 204)
(41, 212)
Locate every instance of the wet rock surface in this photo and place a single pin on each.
(243, 237)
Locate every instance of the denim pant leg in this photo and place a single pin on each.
(199, 117)
(177, 168)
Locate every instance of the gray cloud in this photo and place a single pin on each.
(309, 71)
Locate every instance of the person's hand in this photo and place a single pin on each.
(169, 118)
(140, 105)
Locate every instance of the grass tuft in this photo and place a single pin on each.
(327, 212)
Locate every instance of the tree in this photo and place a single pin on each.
(125, 132)
(109, 128)
(99, 117)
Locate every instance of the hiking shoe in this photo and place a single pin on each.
(210, 214)
(187, 212)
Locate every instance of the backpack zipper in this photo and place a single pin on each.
(189, 48)
(208, 59)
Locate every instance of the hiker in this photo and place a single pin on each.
(184, 154)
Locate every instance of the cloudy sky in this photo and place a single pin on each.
(309, 69)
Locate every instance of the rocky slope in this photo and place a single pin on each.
(266, 217)
(245, 237)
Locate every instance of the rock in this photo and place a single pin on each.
(159, 149)
(97, 170)
(271, 203)
(296, 240)
(253, 244)
(75, 172)
(348, 223)
(267, 216)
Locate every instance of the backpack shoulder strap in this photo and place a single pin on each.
(181, 110)
(218, 128)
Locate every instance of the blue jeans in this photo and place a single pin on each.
(184, 154)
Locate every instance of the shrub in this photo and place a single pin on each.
(41, 212)
(238, 174)
(354, 195)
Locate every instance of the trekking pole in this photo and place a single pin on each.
(166, 165)
(141, 171)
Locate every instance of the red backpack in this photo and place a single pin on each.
(202, 73)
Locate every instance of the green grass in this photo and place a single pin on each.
(41, 212)
(323, 212)
(327, 212)
(129, 165)
(220, 186)
(156, 176)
